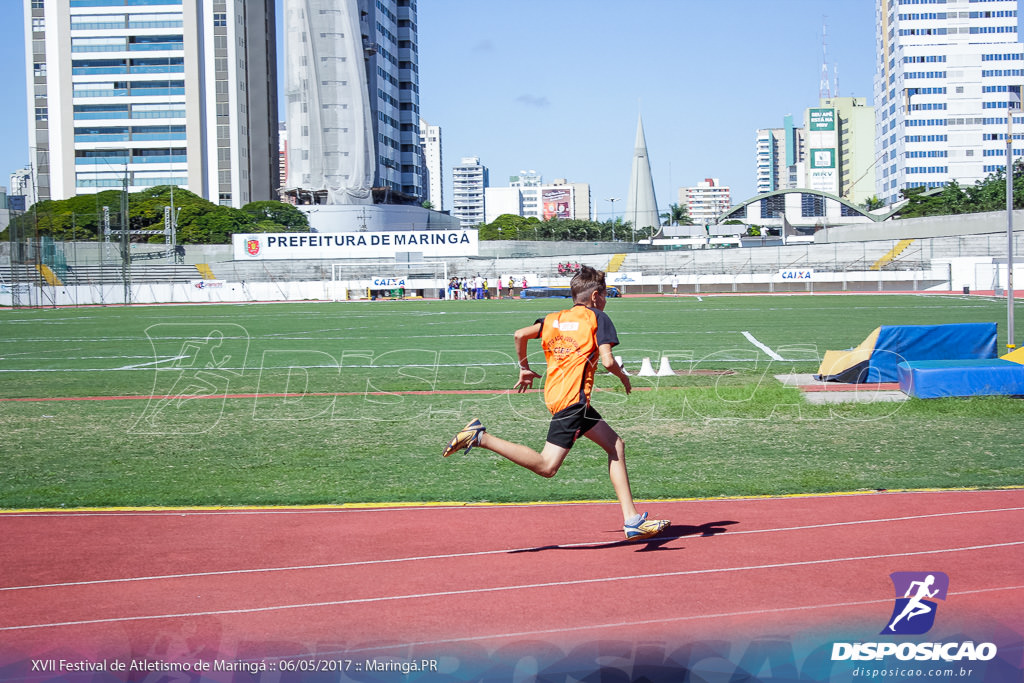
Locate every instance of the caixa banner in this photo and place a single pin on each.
(804, 274)
(345, 245)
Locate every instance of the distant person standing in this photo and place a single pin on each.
(675, 285)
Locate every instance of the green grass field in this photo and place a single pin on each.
(308, 404)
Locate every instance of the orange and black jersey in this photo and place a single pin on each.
(571, 341)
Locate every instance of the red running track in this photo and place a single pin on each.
(281, 583)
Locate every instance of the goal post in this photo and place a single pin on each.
(426, 280)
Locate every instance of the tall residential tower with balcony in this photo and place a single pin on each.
(780, 157)
(944, 76)
(433, 164)
(469, 180)
(153, 92)
(706, 201)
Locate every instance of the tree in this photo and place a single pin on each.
(512, 227)
(677, 215)
(508, 226)
(873, 203)
(199, 221)
(216, 226)
(985, 195)
(277, 214)
(617, 230)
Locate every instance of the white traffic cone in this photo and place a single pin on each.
(646, 370)
(665, 370)
(618, 360)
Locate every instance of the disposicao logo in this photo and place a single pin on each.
(914, 611)
(913, 614)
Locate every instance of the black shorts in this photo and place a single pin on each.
(571, 423)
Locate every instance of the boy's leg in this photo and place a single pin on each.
(636, 526)
(604, 436)
(545, 463)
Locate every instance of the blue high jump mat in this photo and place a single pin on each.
(876, 358)
(945, 378)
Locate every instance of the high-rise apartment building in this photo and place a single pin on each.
(393, 65)
(433, 164)
(469, 180)
(943, 80)
(706, 201)
(833, 151)
(21, 186)
(183, 92)
(839, 134)
(780, 157)
(352, 87)
(528, 183)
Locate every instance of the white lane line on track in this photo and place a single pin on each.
(481, 553)
(500, 589)
(753, 340)
(641, 622)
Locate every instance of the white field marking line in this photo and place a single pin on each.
(642, 622)
(477, 553)
(155, 362)
(501, 589)
(349, 366)
(771, 354)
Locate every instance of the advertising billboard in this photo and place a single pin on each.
(556, 202)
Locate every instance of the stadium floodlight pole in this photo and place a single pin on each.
(612, 221)
(1009, 217)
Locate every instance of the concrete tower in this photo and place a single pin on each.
(352, 88)
(641, 206)
(330, 125)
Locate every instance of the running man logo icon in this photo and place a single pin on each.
(914, 611)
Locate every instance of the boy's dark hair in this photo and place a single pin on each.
(585, 282)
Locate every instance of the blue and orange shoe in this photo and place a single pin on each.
(639, 527)
(467, 438)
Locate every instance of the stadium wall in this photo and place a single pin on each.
(222, 291)
(924, 227)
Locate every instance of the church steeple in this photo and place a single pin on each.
(641, 205)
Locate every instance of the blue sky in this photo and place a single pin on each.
(556, 86)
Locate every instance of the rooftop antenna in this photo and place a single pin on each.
(824, 91)
(835, 75)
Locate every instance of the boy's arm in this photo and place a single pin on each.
(608, 361)
(526, 375)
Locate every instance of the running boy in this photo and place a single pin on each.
(573, 341)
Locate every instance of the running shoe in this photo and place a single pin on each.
(639, 527)
(467, 438)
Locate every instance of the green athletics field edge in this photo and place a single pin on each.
(459, 504)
